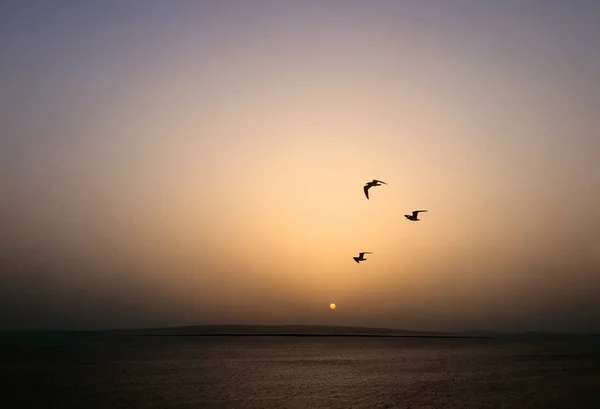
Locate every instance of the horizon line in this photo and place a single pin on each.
(401, 332)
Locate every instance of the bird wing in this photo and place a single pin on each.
(418, 211)
(366, 189)
(364, 252)
(379, 181)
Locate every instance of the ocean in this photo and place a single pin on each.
(301, 372)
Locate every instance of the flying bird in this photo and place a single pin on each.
(361, 256)
(413, 217)
(369, 185)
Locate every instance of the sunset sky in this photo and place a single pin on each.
(202, 162)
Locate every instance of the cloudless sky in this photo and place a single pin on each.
(201, 162)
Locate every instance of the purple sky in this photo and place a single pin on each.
(190, 162)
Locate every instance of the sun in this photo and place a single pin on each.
(332, 306)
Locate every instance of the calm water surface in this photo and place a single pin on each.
(287, 372)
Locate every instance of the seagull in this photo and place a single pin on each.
(361, 256)
(368, 185)
(414, 215)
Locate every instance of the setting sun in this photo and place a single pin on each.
(332, 306)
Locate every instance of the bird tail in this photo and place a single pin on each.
(355, 259)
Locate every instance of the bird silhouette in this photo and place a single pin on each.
(361, 256)
(369, 185)
(413, 217)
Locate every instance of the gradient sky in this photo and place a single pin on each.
(198, 162)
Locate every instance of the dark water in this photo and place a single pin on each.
(287, 372)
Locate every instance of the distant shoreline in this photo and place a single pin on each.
(313, 335)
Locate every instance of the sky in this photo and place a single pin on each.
(202, 162)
